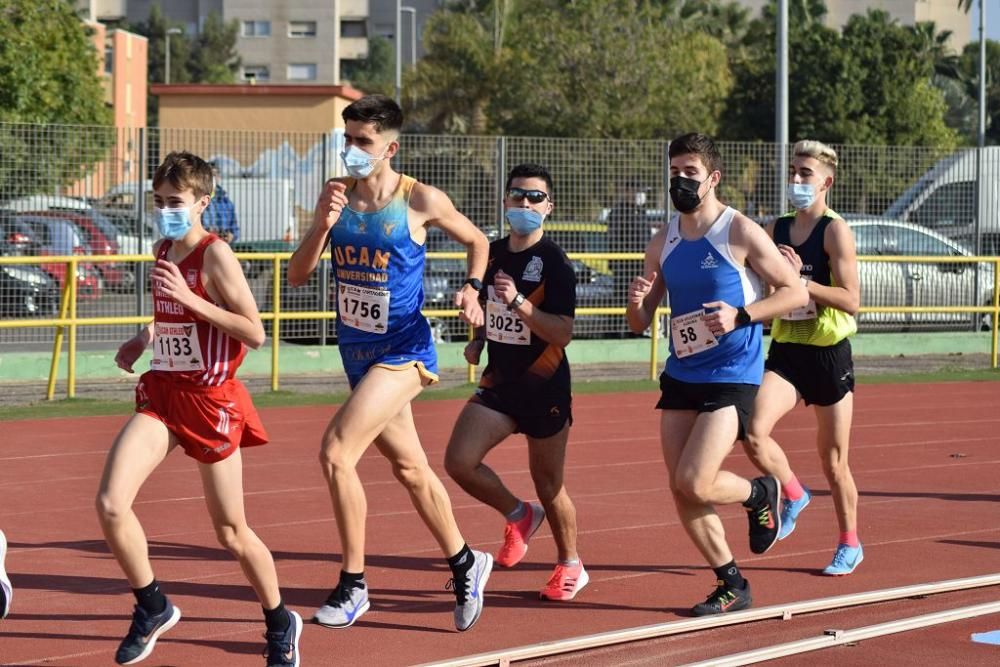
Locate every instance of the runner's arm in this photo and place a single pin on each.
(772, 267)
(223, 278)
(440, 212)
(650, 285)
(331, 202)
(845, 294)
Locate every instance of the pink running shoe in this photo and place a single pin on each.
(516, 535)
(565, 582)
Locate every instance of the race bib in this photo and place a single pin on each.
(504, 326)
(363, 308)
(690, 334)
(806, 312)
(175, 347)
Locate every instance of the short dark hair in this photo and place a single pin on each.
(378, 109)
(185, 171)
(530, 170)
(695, 143)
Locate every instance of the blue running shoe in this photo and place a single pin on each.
(283, 647)
(790, 510)
(845, 560)
(345, 605)
(143, 633)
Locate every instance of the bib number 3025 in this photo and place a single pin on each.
(504, 326)
(690, 335)
(175, 348)
(363, 308)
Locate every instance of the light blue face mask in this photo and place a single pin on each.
(173, 223)
(523, 220)
(358, 163)
(801, 195)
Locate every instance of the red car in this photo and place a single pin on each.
(58, 236)
(102, 237)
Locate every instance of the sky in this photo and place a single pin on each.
(992, 21)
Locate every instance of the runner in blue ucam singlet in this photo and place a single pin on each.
(379, 273)
(699, 272)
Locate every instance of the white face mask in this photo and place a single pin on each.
(358, 163)
(640, 199)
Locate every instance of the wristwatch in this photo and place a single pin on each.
(516, 303)
(476, 283)
(742, 317)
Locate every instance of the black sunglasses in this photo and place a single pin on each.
(534, 196)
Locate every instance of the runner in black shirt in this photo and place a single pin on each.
(530, 299)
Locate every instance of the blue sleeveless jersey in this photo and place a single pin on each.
(701, 271)
(376, 263)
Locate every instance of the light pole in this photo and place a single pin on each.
(399, 52)
(412, 11)
(781, 102)
(170, 31)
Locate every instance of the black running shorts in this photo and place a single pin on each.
(708, 397)
(821, 375)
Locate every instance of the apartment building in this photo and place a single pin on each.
(280, 42)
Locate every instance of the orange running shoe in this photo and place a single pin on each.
(517, 533)
(565, 582)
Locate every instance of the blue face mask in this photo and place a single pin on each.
(358, 163)
(173, 223)
(801, 195)
(523, 220)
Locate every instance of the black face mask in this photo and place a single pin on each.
(684, 193)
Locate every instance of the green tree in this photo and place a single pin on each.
(214, 58)
(377, 72)
(968, 69)
(48, 74)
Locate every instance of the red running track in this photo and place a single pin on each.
(925, 457)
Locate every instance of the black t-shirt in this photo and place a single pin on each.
(545, 276)
(815, 261)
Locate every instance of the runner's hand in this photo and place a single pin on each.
(129, 352)
(168, 279)
(640, 287)
(504, 287)
(788, 252)
(332, 201)
(721, 320)
(474, 350)
(467, 301)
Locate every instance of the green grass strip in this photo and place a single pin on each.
(88, 407)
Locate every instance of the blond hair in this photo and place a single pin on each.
(818, 151)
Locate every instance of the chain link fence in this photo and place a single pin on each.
(83, 190)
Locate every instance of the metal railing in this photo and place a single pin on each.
(68, 323)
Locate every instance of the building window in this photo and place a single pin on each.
(354, 28)
(256, 28)
(302, 72)
(256, 73)
(301, 28)
(109, 59)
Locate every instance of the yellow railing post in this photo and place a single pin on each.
(71, 278)
(654, 344)
(995, 313)
(50, 392)
(276, 326)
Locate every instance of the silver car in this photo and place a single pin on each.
(895, 284)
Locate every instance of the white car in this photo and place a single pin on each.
(893, 284)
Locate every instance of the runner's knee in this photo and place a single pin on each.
(412, 476)
(109, 509)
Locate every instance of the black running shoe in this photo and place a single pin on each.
(283, 647)
(143, 633)
(765, 518)
(724, 599)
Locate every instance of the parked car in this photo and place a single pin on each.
(26, 290)
(102, 238)
(56, 236)
(894, 284)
